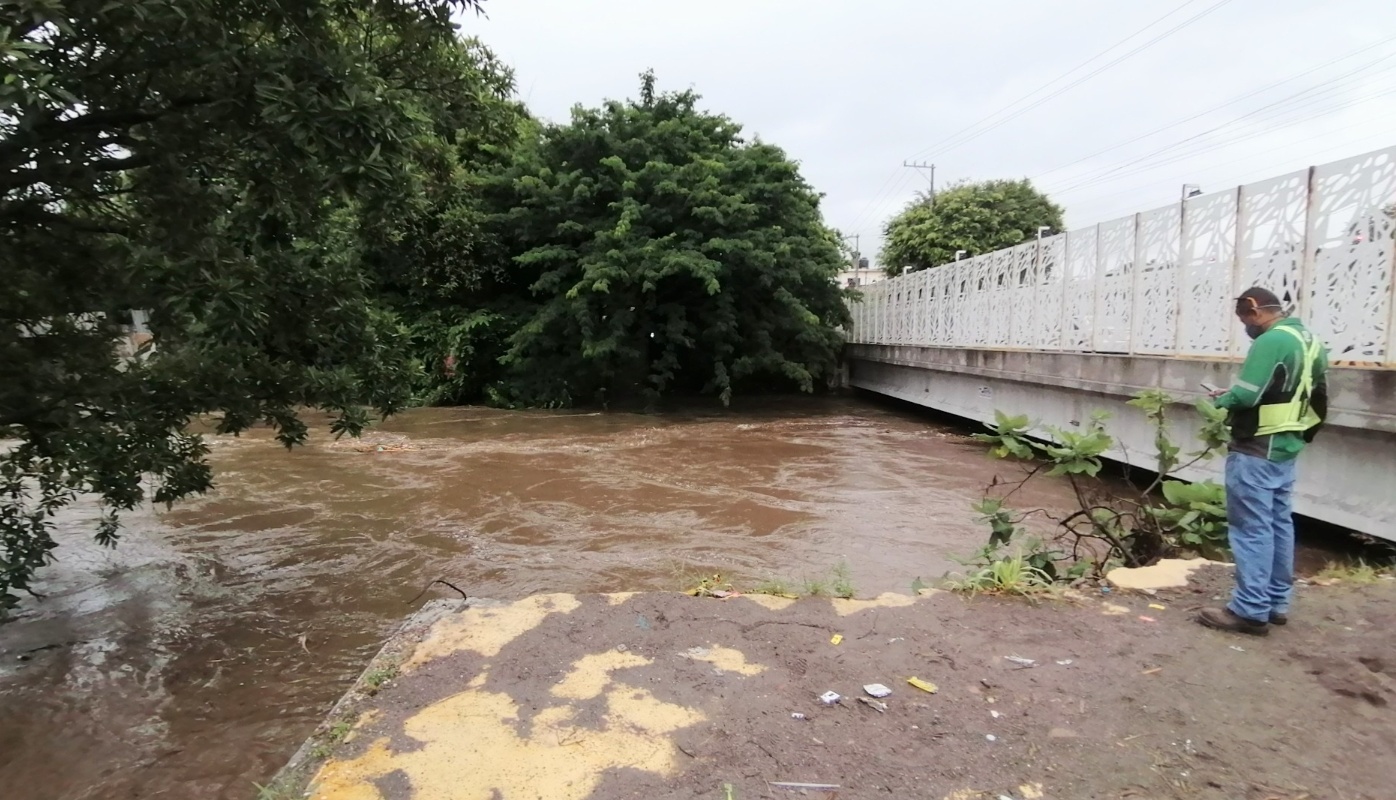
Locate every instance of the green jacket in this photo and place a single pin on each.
(1271, 375)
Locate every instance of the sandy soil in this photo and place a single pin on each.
(596, 697)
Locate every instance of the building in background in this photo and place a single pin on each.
(859, 273)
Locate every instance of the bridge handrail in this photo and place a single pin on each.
(1160, 282)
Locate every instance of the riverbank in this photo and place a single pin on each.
(191, 660)
(659, 695)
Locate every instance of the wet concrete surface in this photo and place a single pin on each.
(663, 696)
(193, 659)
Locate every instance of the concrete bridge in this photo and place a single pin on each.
(1060, 327)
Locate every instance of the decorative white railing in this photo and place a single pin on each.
(1161, 282)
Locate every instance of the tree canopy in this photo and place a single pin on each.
(974, 217)
(339, 204)
(211, 162)
(667, 254)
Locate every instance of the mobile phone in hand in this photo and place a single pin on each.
(1210, 389)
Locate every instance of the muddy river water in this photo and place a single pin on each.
(192, 660)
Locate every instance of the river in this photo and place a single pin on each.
(192, 660)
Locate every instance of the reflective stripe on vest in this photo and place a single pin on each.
(1296, 414)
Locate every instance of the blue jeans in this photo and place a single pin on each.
(1260, 521)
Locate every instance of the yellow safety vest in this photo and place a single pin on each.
(1295, 414)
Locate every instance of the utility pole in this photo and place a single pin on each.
(925, 166)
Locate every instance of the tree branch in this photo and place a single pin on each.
(27, 138)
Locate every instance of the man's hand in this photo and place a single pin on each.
(1215, 393)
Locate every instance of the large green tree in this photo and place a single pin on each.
(666, 254)
(975, 217)
(436, 263)
(213, 162)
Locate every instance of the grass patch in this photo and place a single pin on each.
(336, 733)
(1010, 575)
(375, 679)
(778, 587)
(842, 581)
(1358, 573)
(275, 791)
(339, 731)
(836, 582)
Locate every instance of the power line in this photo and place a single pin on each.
(1060, 77)
(1230, 102)
(1384, 136)
(1192, 154)
(1211, 147)
(924, 166)
(893, 175)
(1088, 180)
(1039, 102)
(1105, 171)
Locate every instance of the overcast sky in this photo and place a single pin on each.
(853, 89)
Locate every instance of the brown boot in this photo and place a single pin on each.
(1223, 619)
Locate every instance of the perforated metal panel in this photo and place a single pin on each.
(1161, 282)
(1209, 252)
(1154, 321)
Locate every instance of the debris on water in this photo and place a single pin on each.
(1238, 648)
(1158, 606)
(830, 698)
(836, 638)
(797, 715)
(621, 648)
(896, 639)
(642, 622)
(1147, 619)
(877, 705)
(995, 714)
(991, 737)
(1153, 671)
(1065, 662)
(925, 686)
(1026, 662)
(1105, 590)
(816, 787)
(877, 690)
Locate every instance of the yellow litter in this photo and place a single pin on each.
(1158, 606)
(838, 637)
(922, 685)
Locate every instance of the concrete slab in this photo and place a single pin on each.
(1166, 574)
(595, 697)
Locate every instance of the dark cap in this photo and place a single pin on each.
(1257, 297)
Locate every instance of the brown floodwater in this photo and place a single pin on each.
(191, 661)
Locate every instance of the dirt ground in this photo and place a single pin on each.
(595, 697)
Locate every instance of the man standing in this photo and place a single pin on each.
(1275, 407)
